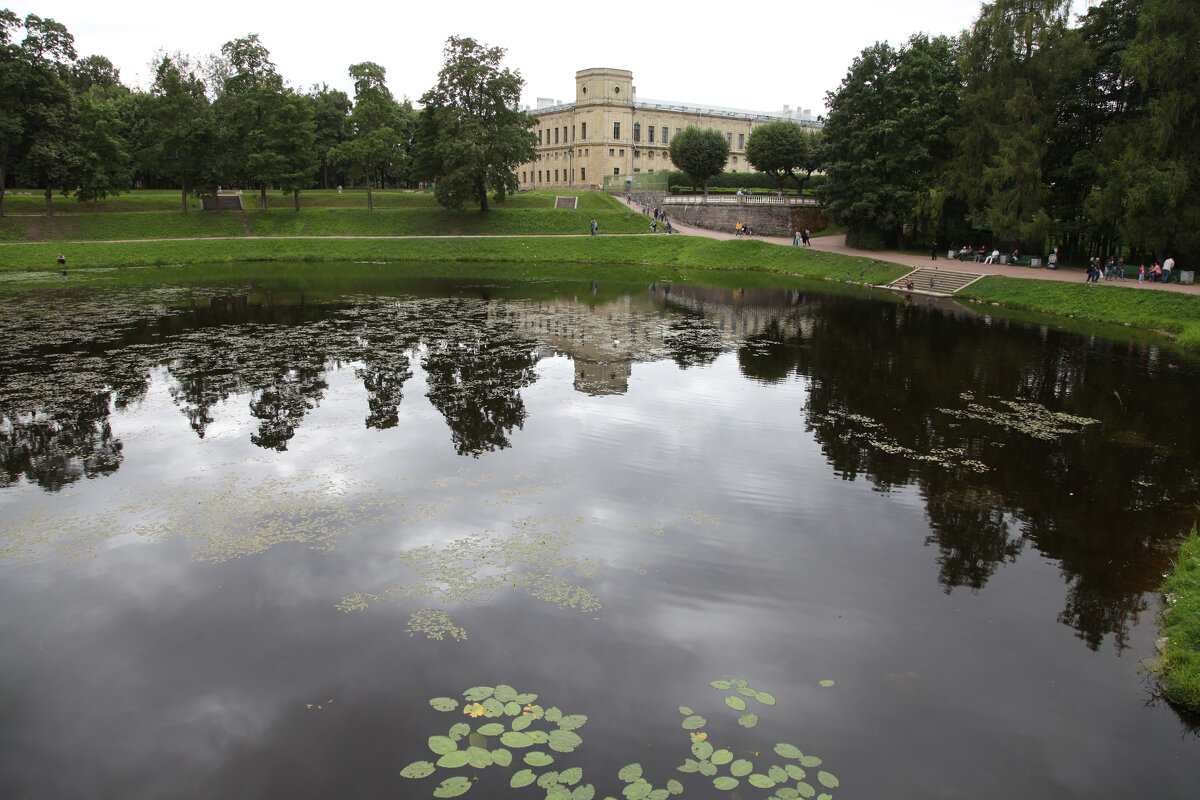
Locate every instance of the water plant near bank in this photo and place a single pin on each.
(1179, 623)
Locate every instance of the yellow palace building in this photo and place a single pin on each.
(608, 131)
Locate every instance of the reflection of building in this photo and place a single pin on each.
(608, 131)
(605, 341)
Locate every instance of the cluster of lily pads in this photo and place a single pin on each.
(1031, 419)
(542, 735)
(870, 433)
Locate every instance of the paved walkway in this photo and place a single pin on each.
(836, 243)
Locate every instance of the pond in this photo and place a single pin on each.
(355, 531)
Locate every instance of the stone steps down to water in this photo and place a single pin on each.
(944, 281)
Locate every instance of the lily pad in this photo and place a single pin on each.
(479, 757)
(554, 714)
(630, 772)
(442, 745)
(491, 729)
(515, 739)
(522, 778)
(761, 781)
(746, 691)
(505, 693)
(687, 712)
(810, 762)
(739, 682)
(707, 768)
(786, 793)
(794, 772)
(512, 708)
(572, 721)
(536, 758)
(694, 722)
(658, 794)
(741, 768)
(522, 722)
(777, 773)
(458, 730)
(558, 792)
(689, 765)
(585, 792)
(805, 789)
(725, 783)
(570, 776)
(674, 787)
(736, 703)
(478, 693)
(564, 741)
(827, 779)
(525, 699)
(827, 683)
(454, 760)
(492, 707)
(444, 703)
(547, 779)
(722, 685)
(766, 698)
(539, 737)
(788, 750)
(418, 769)
(702, 749)
(638, 790)
(501, 757)
(477, 739)
(720, 757)
(452, 787)
(748, 720)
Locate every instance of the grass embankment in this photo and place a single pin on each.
(683, 251)
(1180, 627)
(404, 214)
(1171, 312)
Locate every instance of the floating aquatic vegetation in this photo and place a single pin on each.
(1028, 418)
(475, 567)
(435, 624)
(871, 434)
(698, 517)
(525, 726)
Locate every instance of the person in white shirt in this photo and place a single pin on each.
(992, 258)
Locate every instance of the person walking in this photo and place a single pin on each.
(595, 228)
(1168, 265)
(806, 238)
(933, 249)
(796, 239)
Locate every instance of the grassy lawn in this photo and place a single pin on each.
(1180, 627)
(1172, 312)
(537, 253)
(402, 214)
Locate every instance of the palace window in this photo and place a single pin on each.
(583, 173)
(649, 133)
(621, 153)
(729, 138)
(650, 154)
(539, 136)
(556, 176)
(735, 159)
(583, 130)
(616, 170)
(664, 134)
(572, 133)
(610, 152)
(741, 141)
(637, 131)
(637, 154)
(556, 135)
(616, 130)
(564, 134)
(677, 132)
(539, 176)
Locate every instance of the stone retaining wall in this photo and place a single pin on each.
(764, 220)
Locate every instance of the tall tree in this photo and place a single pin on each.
(1151, 190)
(887, 129)
(701, 153)
(294, 143)
(102, 161)
(35, 100)
(783, 150)
(248, 112)
(330, 109)
(378, 127)
(1013, 67)
(180, 129)
(471, 136)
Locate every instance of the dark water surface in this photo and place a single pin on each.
(237, 515)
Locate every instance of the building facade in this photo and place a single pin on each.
(608, 131)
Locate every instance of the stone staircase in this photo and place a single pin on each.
(945, 281)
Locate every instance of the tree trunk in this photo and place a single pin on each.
(296, 196)
(324, 175)
(481, 189)
(3, 158)
(49, 200)
(95, 202)
(262, 198)
(183, 193)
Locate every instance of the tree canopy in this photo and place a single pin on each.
(783, 150)
(701, 153)
(470, 135)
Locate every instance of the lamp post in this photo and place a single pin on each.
(571, 162)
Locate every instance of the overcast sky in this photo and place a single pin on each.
(758, 56)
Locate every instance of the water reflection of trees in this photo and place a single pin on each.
(1099, 502)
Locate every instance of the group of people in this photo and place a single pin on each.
(1114, 269)
(802, 238)
(981, 254)
(742, 229)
